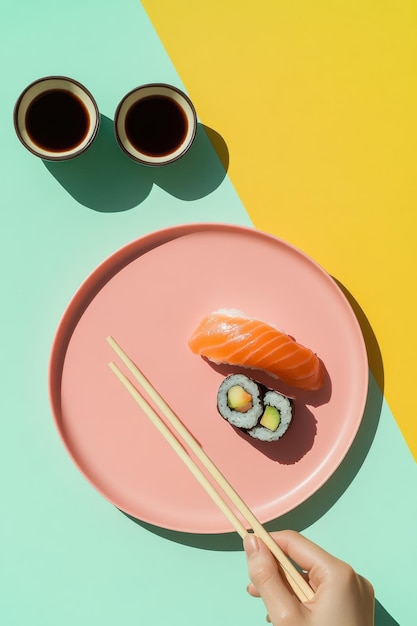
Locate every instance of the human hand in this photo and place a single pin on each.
(341, 597)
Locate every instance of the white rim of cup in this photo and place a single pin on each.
(45, 84)
(144, 91)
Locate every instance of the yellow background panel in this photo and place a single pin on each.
(317, 104)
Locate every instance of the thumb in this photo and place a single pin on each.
(265, 575)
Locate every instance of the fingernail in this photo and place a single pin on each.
(250, 544)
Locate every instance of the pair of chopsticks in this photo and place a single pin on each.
(298, 584)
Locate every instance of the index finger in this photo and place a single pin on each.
(309, 556)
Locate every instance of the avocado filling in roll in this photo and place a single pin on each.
(239, 399)
(271, 418)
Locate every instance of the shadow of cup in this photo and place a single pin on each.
(106, 180)
(103, 178)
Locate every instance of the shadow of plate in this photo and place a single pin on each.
(327, 495)
(311, 509)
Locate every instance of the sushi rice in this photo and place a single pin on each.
(246, 419)
(284, 406)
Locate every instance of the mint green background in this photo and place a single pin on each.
(66, 555)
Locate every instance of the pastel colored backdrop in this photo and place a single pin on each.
(66, 555)
(316, 101)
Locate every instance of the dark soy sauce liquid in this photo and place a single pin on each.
(57, 120)
(156, 125)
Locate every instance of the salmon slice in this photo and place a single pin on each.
(232, 338)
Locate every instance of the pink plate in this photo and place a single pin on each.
(150, 295)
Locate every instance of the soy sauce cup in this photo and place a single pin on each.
(155, 124)
(56, 118)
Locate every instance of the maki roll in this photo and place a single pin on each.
(275, 419)
(239, 401)
(262, 413)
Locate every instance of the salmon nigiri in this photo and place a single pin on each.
(229, 336)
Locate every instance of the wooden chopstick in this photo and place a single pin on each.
(178, 448)
(299, 585)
